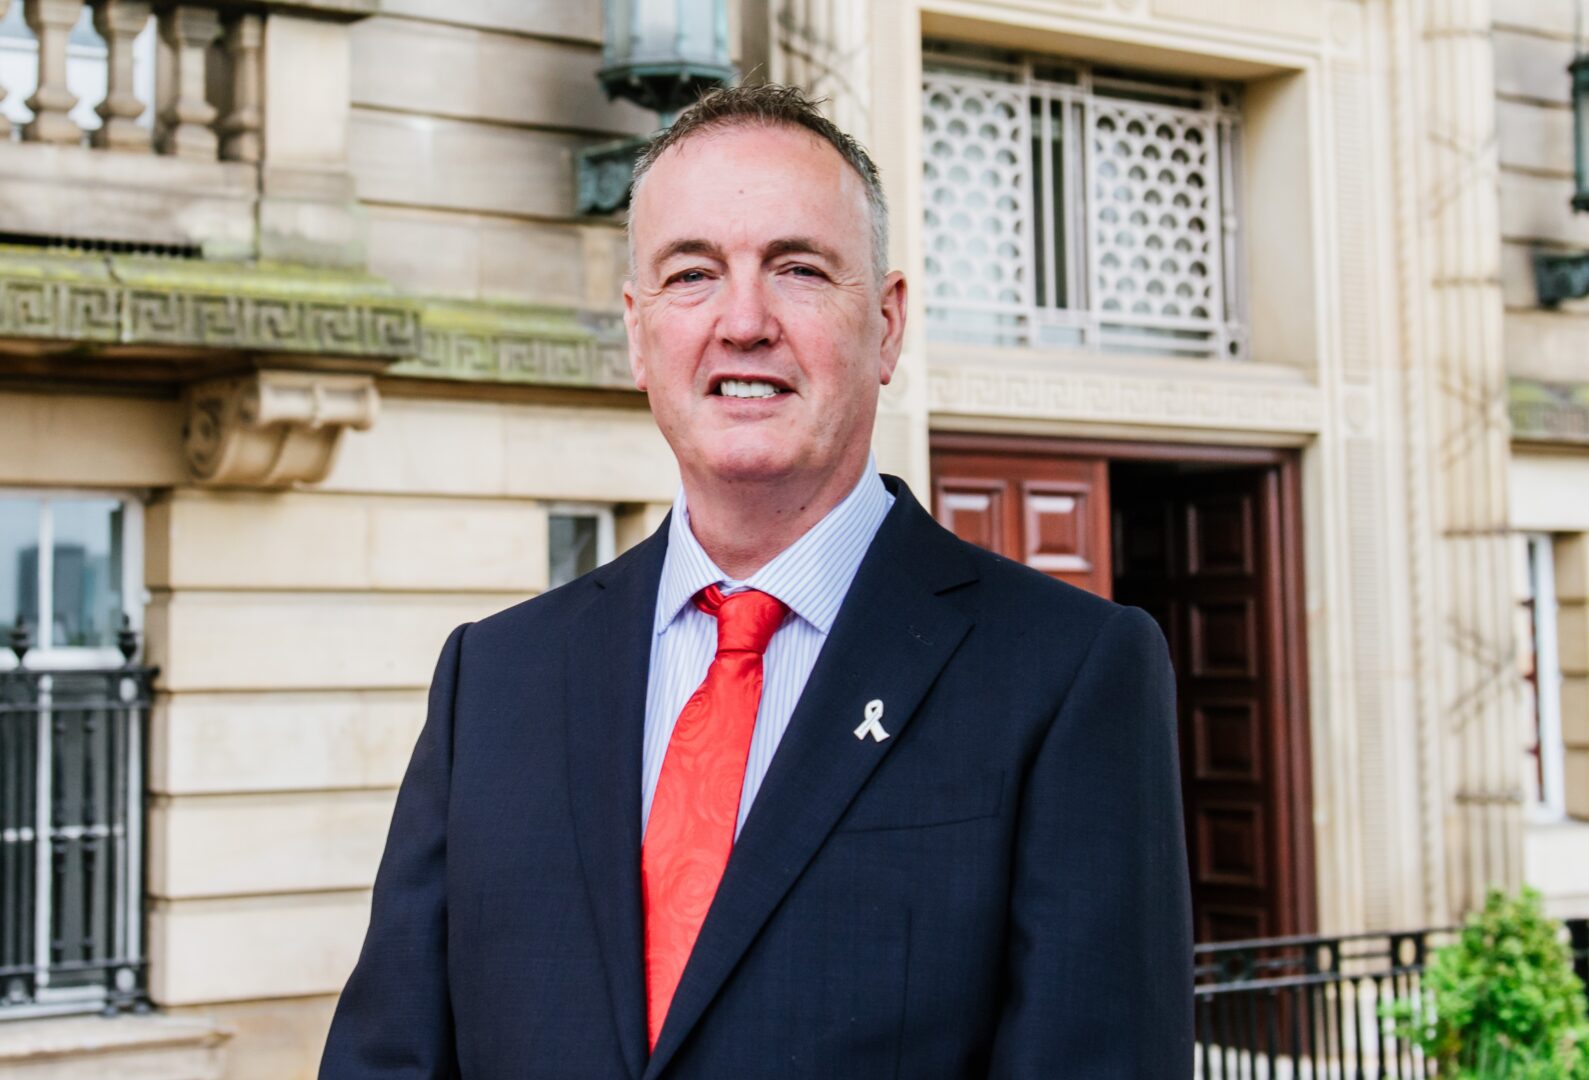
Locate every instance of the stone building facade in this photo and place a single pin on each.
(1223, 307)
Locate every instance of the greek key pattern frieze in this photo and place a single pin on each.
(1113, 398)
(598, 361)
(110, 313)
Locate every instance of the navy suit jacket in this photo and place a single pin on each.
(999, 889)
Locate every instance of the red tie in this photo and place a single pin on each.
(691, 828)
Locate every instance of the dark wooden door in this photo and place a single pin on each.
(1052, 513)
(1200, 552)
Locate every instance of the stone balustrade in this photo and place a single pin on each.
(197, 113)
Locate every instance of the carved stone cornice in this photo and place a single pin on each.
(145, 303)
(1549, 412)
(1200, 397)
(273, 429)
(515, 344)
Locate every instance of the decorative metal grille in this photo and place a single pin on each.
(1067, 205)
(71, 837)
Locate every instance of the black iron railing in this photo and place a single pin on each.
(1308, 1008)
(72, 746)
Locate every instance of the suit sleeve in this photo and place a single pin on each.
(394, 1019)
(1100, 949)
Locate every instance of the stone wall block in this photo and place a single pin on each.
(246, 949)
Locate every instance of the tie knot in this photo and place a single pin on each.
(745, 620)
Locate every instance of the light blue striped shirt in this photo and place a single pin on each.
(811, 576)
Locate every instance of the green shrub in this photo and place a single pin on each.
(1501, 1002)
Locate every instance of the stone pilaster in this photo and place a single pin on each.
(1455, 391)
(825, 48)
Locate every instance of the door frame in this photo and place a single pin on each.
(1282, 510)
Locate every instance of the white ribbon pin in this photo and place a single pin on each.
(872, 724)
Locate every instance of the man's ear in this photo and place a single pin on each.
(631, 327)
(895, 298)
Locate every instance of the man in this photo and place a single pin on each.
(802, 785)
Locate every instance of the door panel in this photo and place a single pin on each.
(1201, 549)
(1194, 555)
(1048, 512)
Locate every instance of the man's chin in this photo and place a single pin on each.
(750, 465)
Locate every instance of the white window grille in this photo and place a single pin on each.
(1067, 204)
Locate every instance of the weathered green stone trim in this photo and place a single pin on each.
(1549, 412)
(133, 301)
(87, 302)
(518, 344)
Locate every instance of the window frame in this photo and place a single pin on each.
(606, 516)
(1063, 268)
(135, 597)
(1549, 803)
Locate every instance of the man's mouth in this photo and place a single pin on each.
(749, 388)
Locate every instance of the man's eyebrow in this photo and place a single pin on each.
(687, 246)
(801, 245)
(784, 245)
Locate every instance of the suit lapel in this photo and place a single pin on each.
(608, 662)
(892, 637)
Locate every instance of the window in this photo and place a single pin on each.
(71, 567)
(72, 717)
(1545, 772)
(580, 538)
(1074, 205)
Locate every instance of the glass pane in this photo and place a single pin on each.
(87, 583)
(572, 547)
(19, 562)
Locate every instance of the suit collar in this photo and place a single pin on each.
(891, 638)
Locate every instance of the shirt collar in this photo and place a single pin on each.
(811, 575)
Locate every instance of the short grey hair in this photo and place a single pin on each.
(771, 105)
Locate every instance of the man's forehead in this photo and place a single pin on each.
(746, 160)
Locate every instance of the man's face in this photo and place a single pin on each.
(757, 325)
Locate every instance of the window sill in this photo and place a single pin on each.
(1556, 862)
(149, 1046)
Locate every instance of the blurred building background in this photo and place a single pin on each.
(1228, 308)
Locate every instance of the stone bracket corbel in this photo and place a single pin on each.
(273, 429)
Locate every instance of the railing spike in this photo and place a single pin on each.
(127, 638)
(20, 640)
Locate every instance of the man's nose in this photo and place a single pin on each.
(747, 320)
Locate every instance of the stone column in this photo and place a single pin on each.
(1458, 452)
(1572, 650)
(187, 31)
(119, 22)
(240, 129)
(51, 22)
(825, 47)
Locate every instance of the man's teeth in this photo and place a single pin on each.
(745, 388)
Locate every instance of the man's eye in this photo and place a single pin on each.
(799, 270)
(689, 277)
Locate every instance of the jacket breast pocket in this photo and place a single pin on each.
(922, 805)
